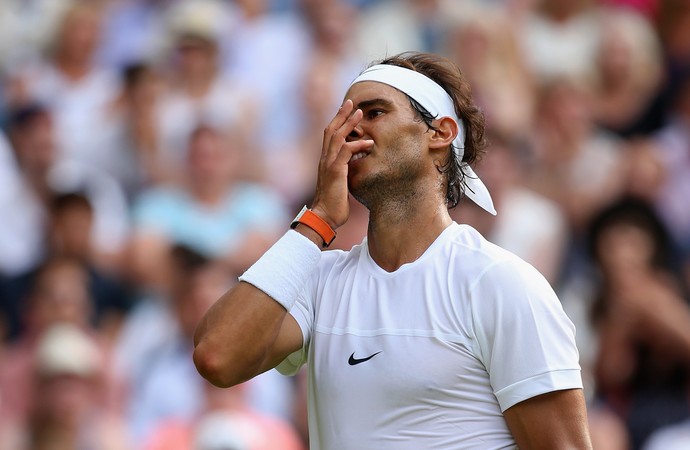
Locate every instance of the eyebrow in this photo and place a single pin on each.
(375, 102)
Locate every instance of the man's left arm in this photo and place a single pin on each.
(527, 344)
(553, 421)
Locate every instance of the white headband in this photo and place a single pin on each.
(437, 101)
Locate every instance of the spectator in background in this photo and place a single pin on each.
(482, 41)
(642, 321)
(60, 295)
(670, 437)
(163, 386)
(213, 212)
(66, 410)
(25, 27)
(227, 421)
(327, 68)
(74, 89)
(319, 95)
(137, 159)
(628, 72)
(132, 31)
(672, 31)
(198, 91)
(671, 148)
(560, 38)
(530, 225)
(70, 224)
(568, 149)
(25, 189)
(166, 386)
(389, 27)
(24, 200)
(268, 51)
(188, 64)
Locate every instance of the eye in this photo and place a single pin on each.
(374, 113)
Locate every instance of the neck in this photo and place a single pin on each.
(400, 231)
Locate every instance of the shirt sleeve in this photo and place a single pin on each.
(523, 336)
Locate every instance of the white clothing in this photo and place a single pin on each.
(671, 437)
(533, 227)
(258, 49)
(673, 151)
(430, 355)
(26, 27)
(21, 242)
(561, 49)
(391, 27)
(22, 228)
(178, 114)
(79, 108)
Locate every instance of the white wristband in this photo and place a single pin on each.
(285, 268)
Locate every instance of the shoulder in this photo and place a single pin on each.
(338, 259)
(339, 264)
(492, 274)
(472, 257)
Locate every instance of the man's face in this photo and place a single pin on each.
(398, 157)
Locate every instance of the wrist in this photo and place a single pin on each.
(285, 268)
(307, 218)
(310, 234)
(322, 214)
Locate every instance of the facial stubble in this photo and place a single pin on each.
(392, 190)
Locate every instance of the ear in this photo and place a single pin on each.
(444, 134)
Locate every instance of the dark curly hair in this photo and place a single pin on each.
(449, 76)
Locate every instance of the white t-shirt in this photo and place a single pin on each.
(428, 356)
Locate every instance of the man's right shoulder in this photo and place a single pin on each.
(337, 259)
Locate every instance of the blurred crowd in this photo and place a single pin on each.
(151, 150)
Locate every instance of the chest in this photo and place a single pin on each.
(399, 340)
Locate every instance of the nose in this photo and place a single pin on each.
(355, 134)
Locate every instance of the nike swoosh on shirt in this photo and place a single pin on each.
(354, 361)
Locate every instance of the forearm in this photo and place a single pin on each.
(247, 329)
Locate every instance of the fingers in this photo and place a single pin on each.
(350, 148)
(331, 196)
(339, 128)
(341, 116)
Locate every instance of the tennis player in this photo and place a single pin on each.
(424, 336)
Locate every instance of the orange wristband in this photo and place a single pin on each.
(312, 220)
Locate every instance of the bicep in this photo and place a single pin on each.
(553, 421)
(288, 341)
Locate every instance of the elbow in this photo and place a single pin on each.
(212, 368)
(219, 368)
